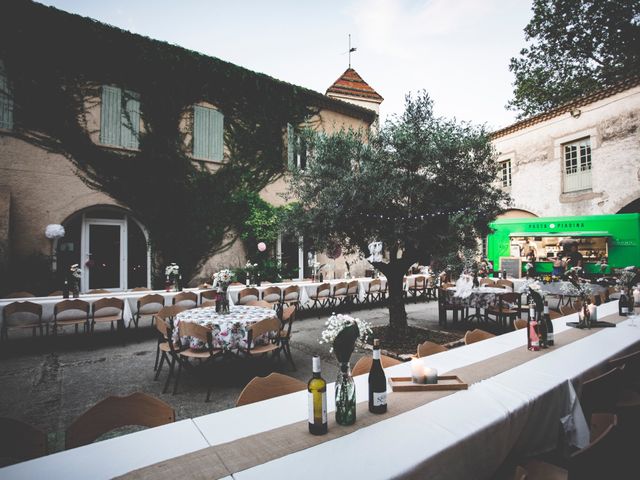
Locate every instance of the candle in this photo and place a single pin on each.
(417, 371)
(593, 312)
(431, 375)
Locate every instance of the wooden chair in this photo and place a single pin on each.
(112, 311)
(429, 348)
(286, 323)
(291, 296)
(19, 295)
(363, 365)
(273, 385)
(79, 307)
(210, 295)
(261, 328)
(599, 460)
(140, 289)
(98, 291)
(352, 292)
(322, 297)
(166, 314)
(20, 441)
(504, 284)
(167, 350)
(519, 323)
(55, 293)
(444, 306)
(601, 394)
(339, 295)
(373, 292)
(507, 310)
(259, 303)
(205, 357)
(29, 316)
(247, 295)
(419, 287)
(186, 299)
(272, 295)
(631, 371)
(114, 412)
(573, 307)
(487, 281)
(432, 288)
(208, 303)
(477, 335)
(148, 306)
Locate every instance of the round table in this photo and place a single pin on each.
(479, 297)
(229, 332)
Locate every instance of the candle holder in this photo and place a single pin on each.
(417, 371)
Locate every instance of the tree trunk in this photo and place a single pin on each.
(394, 272)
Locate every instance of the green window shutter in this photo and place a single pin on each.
(291, 149)
(130, 124)
(6, 100)
(208, 133)
(111, 116)
(217, 135)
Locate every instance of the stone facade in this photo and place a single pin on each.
(610, 120)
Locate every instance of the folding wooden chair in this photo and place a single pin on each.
(208, 295)
(363, 365)
(105, 310)
(291, 296)
(286, 323)
(19, 295)
(273, 296)
(247, 295)
(148, 306)
(114, 412)
(71, 312)
(20, 441)
(477, 335)
(185, 299)
(21, 315)
(322, 297)
(429, 348)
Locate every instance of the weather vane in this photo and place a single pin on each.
(350, 50)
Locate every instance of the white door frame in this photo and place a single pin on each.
(84, 249)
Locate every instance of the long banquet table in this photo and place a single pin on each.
(466, 434)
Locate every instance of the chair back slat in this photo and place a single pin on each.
(429, 348)
(323, 290)
(19, 295)
(374, 285)
(273, 385)
(98, 291)
(191, 329)
(209, 295)
(259, 303)
(20, 441)
(23, 307)
(352, 287)
(109, 302)
(141, 289)
(114, 412)
(292, 292)
(75, 304)
(364, 364)
(263, 326)
(477, 335)
(272, 294)
(55, 293)
(150, 299)
(340, 288)
(248, 295)
(189, 299)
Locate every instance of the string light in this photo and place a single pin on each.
(421, 216)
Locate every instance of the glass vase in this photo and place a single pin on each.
(345, 396)
(585, 316)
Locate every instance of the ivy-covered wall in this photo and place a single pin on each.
(57, 64)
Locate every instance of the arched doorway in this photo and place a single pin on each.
(111, 247)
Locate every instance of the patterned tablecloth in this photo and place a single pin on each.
(481, 297)
(229, 332)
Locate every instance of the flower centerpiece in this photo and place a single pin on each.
(627, 278)
(341, 333)
(221, 282)
(172, 272)
(535, 295)
(76, 276)
(577, 287)
(251, 269)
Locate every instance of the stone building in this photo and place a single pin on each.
(38, 187)
(582, 158)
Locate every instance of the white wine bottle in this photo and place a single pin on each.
(317, 388)
(377, 383)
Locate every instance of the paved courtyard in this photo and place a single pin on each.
(49, 382)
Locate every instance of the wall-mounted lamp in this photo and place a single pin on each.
(575, 112)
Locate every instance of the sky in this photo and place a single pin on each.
(456, 50)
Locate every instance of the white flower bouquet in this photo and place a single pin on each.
(223, 278)
(53, 231)
(534, 292)
(341, 333)
(172, 271)
(628, 276)
(76, 271)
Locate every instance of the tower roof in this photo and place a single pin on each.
(351, 84)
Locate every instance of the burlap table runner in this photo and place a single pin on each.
(222, 460)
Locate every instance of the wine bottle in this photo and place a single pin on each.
(547, 319)
(623, 305)
(65, 289)
(377, 383)
(542, 330)
(533, 341)
(317, 388)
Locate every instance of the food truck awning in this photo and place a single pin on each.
(560, 234)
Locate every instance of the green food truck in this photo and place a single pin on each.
(614, 239)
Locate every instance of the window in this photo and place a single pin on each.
(504, 173)
(577, 165)
(208, 133)
(297, 150)
(120, 118)
(6, 100)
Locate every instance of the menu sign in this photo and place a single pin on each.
(513, 266)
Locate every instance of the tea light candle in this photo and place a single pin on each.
(593, 312)
(431, 375)
(417, 371)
